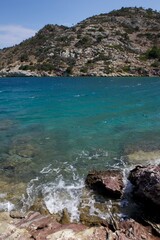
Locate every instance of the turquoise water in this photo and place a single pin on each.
(57, 125)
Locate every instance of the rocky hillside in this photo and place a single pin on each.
(125, 42)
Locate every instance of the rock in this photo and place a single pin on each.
(39, 206)
(65, 217)
(91, 220)
(8, 190)
(139, 157)
(9, 230)
(36, 226)
(6, 124)
(87, 234)
(146, 180)
(16, 214)
(108, 183)
(156, 227)
(23, 150)
(132, 230)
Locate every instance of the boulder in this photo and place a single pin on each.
(133, 230)
(146, 181)
(109, 183)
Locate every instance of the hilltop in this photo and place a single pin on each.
(124, 42)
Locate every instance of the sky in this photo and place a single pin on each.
(21, 19)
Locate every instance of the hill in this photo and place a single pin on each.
(124, 42)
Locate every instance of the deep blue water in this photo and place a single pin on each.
(55, 130)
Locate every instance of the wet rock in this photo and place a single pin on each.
(23, 150)
(139, 157)
(16, 214)
(15, 167)
(12, 191)
(24, 146)
(108, 183)
(6, 124)
(39, 206)
(146, 180)
(16, 161)
(88, 219)
(65, 217)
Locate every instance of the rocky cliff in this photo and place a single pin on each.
(125, 42)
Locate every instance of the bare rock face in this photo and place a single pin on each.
(93, 233)
(147, 183)
(132, 230)
(40, 227)
(108, 183)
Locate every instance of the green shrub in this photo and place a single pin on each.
(153, 53)
(156, 64)
(27, 67)
(126, 68)
(45, 67)
(84, 69)
(86, 41)
(24, 57)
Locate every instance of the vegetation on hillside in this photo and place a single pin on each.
(122, 42)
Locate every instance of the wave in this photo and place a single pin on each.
(64, 191)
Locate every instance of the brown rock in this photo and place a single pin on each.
(9, 230)
(108, 183)
(39, 226)
(16, 214)
(65, 217)
(146, 180)
(94, 233)
(132, 230)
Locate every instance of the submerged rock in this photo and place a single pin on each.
(108, 183)
(6, 124)
(141, 156)
(11, 192)
(146, 180)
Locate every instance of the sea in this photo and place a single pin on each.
(53, 131)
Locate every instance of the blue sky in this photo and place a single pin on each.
(20, 19)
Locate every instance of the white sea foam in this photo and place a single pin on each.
(64, 191)
(46, 169)
(154, 162)
(31, 193)
(6, 206)
(3, 195)
(93, 154)
(58, 196)
(79, 95)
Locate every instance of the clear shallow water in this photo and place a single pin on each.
(50, 126)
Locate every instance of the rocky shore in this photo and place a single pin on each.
(142, 222)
